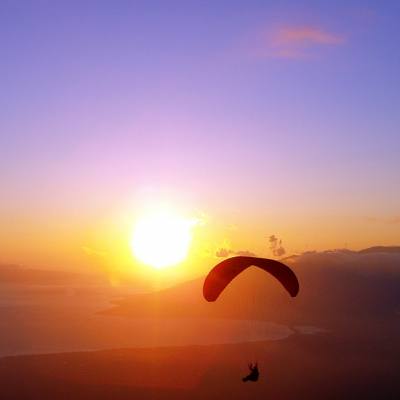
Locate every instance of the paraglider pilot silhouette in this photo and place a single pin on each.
(224, 272)
(254, 374)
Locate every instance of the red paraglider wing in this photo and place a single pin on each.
(224, 272)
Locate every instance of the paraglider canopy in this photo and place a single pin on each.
(224, 272)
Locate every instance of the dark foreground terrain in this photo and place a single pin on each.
(321, 366)
(344, 338)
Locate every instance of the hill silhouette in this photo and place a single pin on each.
(336, 288)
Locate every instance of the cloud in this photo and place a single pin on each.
(224, 252)
(298, 41)
(275, 245)
(304, 35)
(245, 253)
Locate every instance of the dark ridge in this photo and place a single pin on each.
(381, 249)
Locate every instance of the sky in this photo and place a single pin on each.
(258, 117)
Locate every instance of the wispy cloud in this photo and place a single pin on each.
(224, 252)
(304, 35)
(246, 253)
(297, 41)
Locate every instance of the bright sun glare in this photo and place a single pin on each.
(161, 239)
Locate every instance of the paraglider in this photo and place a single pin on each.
(226, 271)
(254, 374)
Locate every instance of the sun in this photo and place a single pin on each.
(161, 239)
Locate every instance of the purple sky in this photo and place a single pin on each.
(273, 113)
